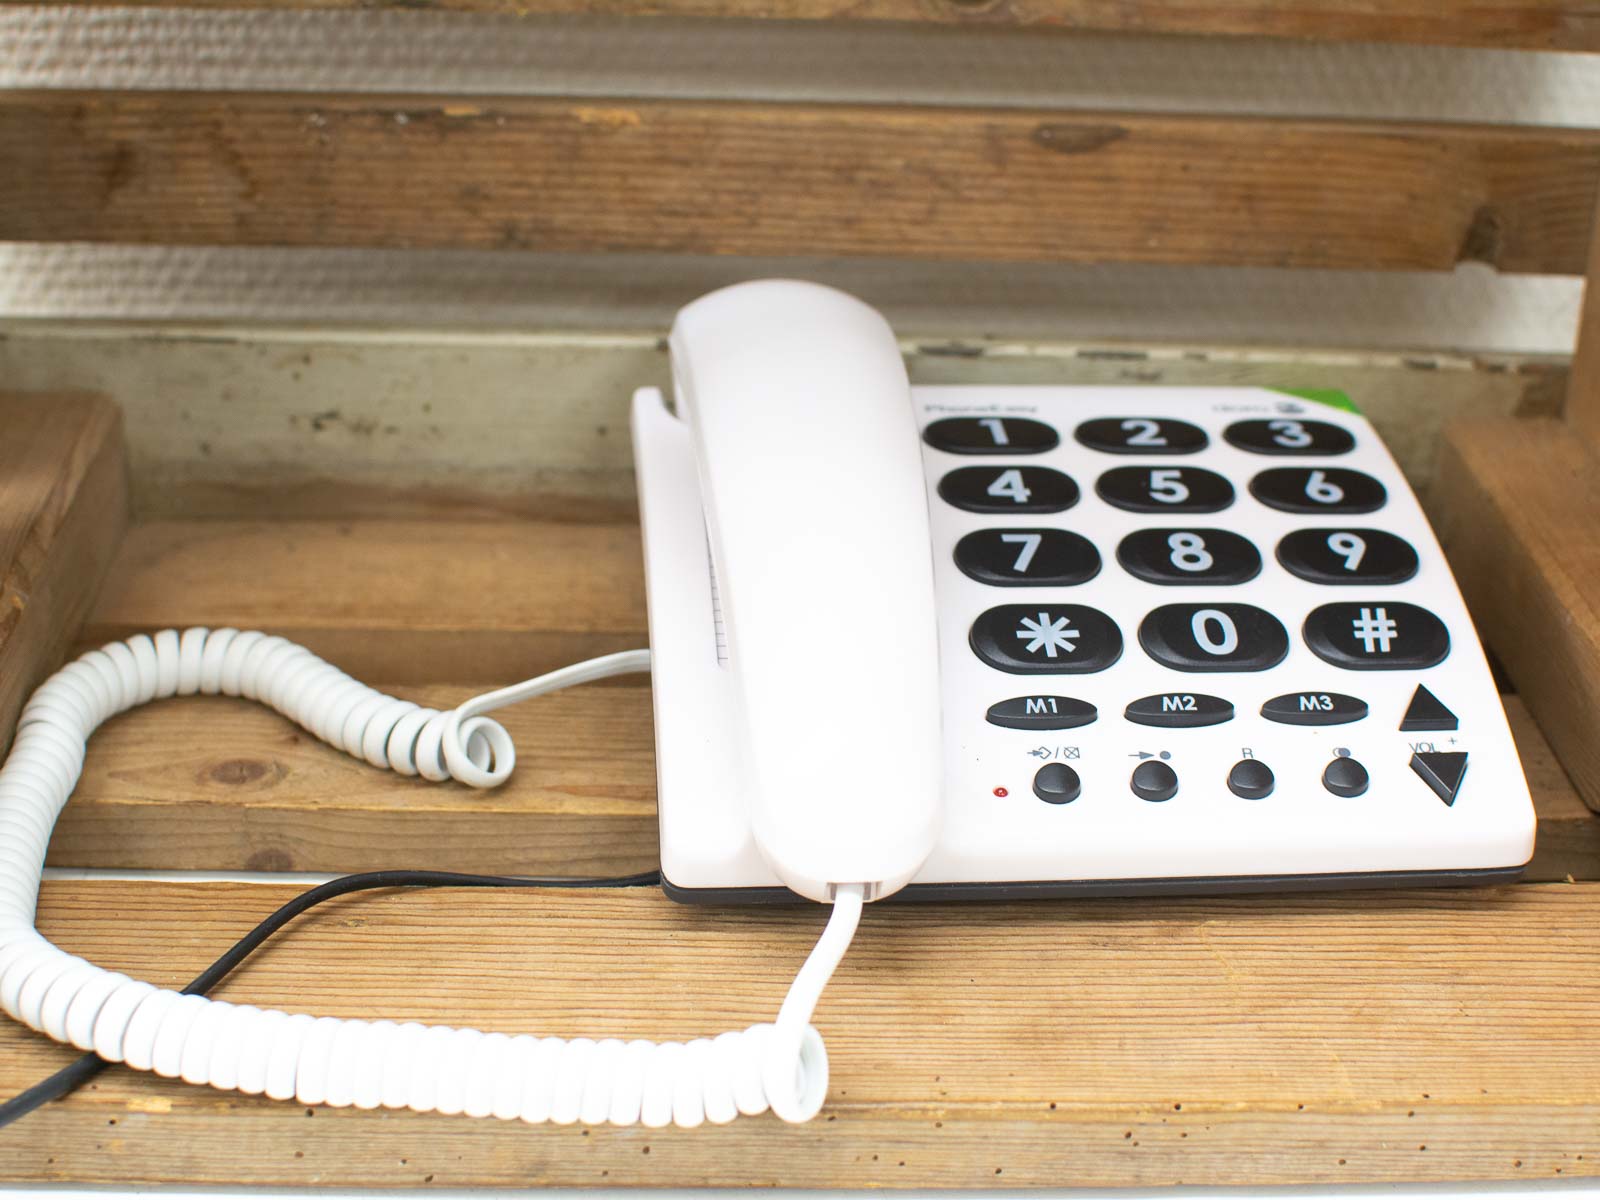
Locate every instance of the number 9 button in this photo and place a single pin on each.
(1335, 556)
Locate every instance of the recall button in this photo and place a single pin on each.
(1179, 710)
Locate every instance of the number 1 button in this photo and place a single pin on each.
(990, 435)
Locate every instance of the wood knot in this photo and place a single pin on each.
(269, 859)
(1484, 238)
(1077, 139)
(236, 772)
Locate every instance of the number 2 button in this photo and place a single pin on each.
(1008, 490)
(1141, 435)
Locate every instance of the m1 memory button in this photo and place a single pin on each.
(1314, 708)
(1041, 712)
(1179, 710)
(991, 435)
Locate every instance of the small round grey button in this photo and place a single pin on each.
(1345, 777)
(1251, 779)
(1154, 781)
(1056, 783)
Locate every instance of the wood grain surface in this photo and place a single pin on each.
(1520, 501)
(63, 508)
(1282, 1039)
(1522, 24)
(729, 178)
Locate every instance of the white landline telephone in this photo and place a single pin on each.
(824, 549)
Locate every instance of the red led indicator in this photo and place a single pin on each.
(1001, 792)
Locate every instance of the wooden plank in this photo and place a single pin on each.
(249, 422)
(1256, 1040)
(1523, 24)
(726, 178)
(63, 508)
(390, 600)
(1519, 501)
(1583, 397)
(219, 784)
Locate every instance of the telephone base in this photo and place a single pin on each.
(1105, 889)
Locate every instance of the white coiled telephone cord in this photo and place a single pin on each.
(432, 1068)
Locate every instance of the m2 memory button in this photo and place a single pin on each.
(1347, 556)
(1041, 712)
(1387, 636)
(1046, 639)
(1008, 489)
(1164, 489)
(1306, 490)
(991, 435)
(1027, 557)
(1293, 437)
(1214, 637)
(1179, 710)
(1142, 435)
(1314, 708)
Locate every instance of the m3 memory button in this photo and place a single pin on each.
(1314, 708)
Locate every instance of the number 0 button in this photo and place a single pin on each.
(1164, 489)
(1180, 556)
(1214, 637)
(1028, 557)
(1318, 490)
(990, 435)
(1347, 556)
(1008, 489)
(1280, 436)
(1141, 435)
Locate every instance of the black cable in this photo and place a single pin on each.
(75, 1074)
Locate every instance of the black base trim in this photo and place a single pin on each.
(1047, 889)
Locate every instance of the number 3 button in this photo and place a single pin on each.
(1179, 556)
(1289, 437)
(1347, 556)
(1214, 637)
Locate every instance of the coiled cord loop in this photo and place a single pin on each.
(369, 1064)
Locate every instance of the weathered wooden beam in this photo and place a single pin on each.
(781, 179)
(1583, 389)
(63, 509)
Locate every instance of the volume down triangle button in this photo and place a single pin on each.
(1442, 771)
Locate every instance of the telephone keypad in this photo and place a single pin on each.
(1214, 637)
(1315, 490)
(1291, 436)
(1009, 489)
(1027, 557)
(1347, 556)
(1046, 639)
(991, 435)
(1142, 435)
(1164, 489)
(1182, 557)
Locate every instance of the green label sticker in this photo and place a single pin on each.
(1332, 397)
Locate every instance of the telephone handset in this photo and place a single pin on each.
(805, 445)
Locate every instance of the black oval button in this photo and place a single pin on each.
(1057, 783)
(1318, 490)
(1028, 557)
(1008, 489)
(1314, 708)
(1041, 712)
(991, 435)
(1386, 636)
(1189, 556)
(1251, 779)
(1164, 489)
(1213, 637)
(1046, 639)
(1338, 556)
(1154, 781)
(1142, 435)
(1179, 710)
(1289, 435)
(1344, 776)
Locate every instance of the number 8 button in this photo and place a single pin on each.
(1180, 556)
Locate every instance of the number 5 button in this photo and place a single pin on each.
(1214, 637)
(1347, 556)
(1164, 489)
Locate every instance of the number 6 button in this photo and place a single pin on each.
(1347, 556)
(1214, 637)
